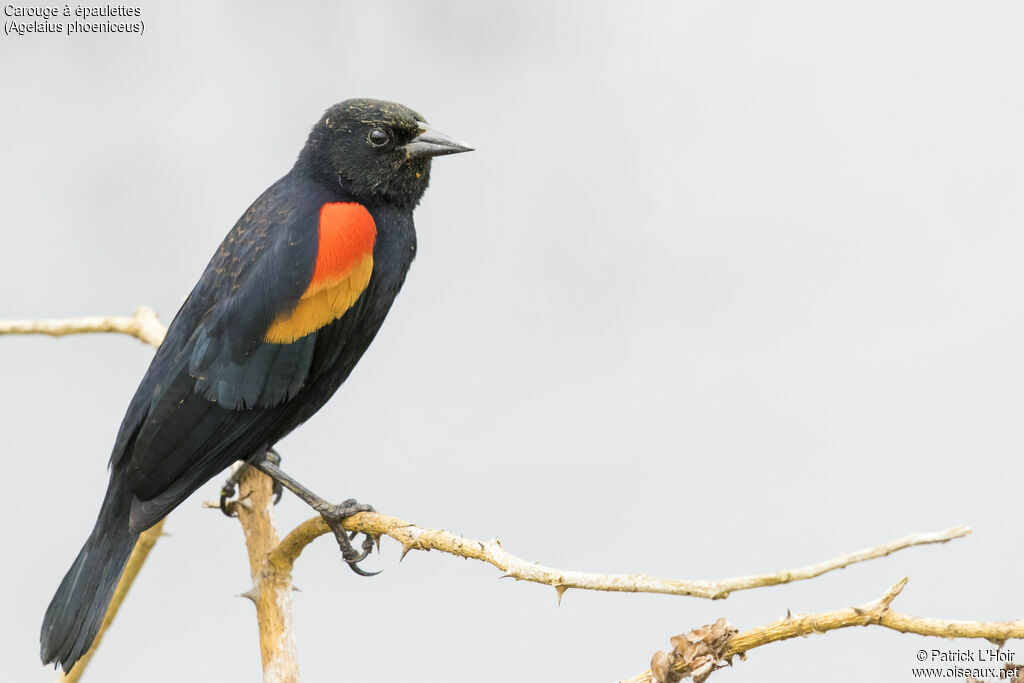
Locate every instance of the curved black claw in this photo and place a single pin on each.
(334, 515)
(227, 491)
(274, 457)
(367, 546)
(362, 572)
(353, 563)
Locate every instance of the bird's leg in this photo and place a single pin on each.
(332, 514)
(228, 489)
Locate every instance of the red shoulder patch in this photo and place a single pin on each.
(347, 234)
(344, 263)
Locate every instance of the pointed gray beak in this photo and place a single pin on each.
(434, 143)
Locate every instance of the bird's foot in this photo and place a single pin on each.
(227, 491)
(334, 516)
(274, 457)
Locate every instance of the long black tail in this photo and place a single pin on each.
(76, 612)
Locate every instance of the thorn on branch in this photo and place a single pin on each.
(895, 590)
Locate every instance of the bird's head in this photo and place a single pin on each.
(377, 151)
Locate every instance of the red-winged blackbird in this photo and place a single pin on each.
(287, 306)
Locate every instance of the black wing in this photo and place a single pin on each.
(207, 397)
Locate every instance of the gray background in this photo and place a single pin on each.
(727, 288)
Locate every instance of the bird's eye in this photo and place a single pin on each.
(378, 137)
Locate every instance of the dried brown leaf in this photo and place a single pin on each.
(695, 654)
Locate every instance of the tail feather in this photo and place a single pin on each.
(76, 612)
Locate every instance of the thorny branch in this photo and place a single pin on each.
(413, 537)
(702, 650)
(143, 324)
(271, 563)
(271, 590)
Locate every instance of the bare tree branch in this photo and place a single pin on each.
(271, 590)
(413, 537)
(272, 563)
(143, 324)
(699, 652)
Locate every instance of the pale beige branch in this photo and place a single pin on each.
(726, 586)
(413, 537)
(143, 325)
(697, 654)
(271, 590)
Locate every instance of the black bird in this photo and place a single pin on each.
(285, 309)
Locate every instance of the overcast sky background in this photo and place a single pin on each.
(726, 288)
